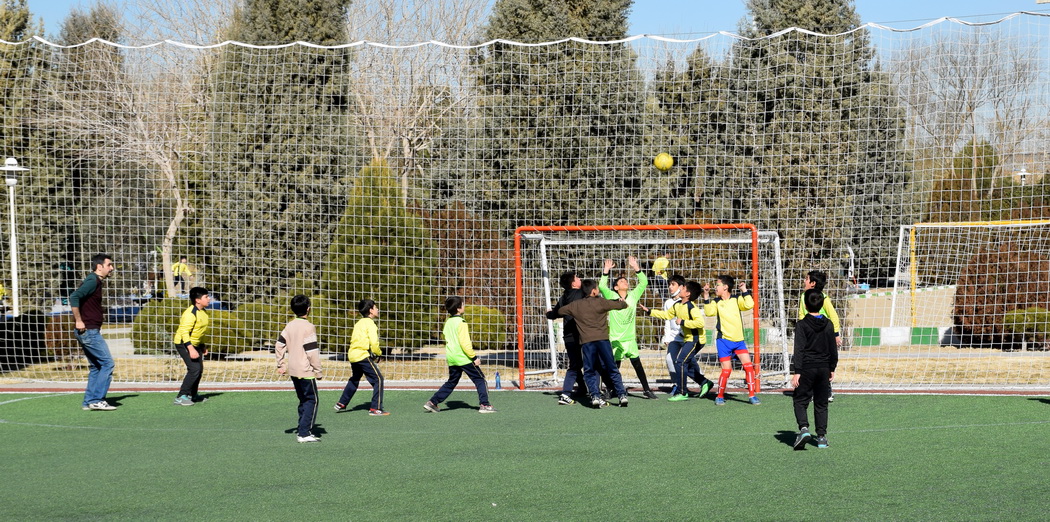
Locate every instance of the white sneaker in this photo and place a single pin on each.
(100, 406)
(308, 438)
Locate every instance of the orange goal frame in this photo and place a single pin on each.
(519, 302)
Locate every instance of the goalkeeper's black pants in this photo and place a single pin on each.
(194, 371)
(814, 385)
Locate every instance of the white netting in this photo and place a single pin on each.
(696, 254)
(400, 174)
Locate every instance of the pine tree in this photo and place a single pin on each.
(809, 138)
(377, 231)
(280, 145)
(561, 127)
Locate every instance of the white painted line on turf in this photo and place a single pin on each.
(37, 397)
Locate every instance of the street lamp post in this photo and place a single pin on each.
(11, 169)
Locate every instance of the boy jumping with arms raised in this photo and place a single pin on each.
(622, 331)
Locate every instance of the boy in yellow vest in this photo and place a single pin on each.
(461, 359)
(363, 353)
(192, 325)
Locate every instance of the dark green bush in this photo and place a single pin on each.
(488, 327)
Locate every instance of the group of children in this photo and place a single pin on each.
(599, 332)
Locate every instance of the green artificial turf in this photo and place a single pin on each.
(236, 457)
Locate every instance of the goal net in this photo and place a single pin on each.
(348, 167)
(699, 252)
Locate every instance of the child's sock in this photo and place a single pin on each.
(749, 377)
(723, 379)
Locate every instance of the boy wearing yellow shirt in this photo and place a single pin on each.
(192, 325)
(364, 350)
(730, 338)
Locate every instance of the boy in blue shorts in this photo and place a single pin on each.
(730, 330)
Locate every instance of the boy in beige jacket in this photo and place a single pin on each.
(299, 357)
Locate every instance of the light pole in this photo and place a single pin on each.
(11, 169)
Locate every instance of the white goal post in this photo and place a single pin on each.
(698, 251)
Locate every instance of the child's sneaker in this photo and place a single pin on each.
(199, 398)
(183, 400)
(308, 438)
(378, 413)
(800, 441)
(565, 400)
(649, 394)
(623, 401)
(100, 406)
(719, 401)
(822, 441)
(598, 402)
(678, 397)
(755, 401)
(486, 408)
(706, 387)
(431, 407)
(339, 407)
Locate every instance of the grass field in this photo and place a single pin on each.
(235, 457)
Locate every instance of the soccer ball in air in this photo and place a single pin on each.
(663, 161)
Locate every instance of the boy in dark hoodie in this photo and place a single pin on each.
(570, 284)
(816, 357)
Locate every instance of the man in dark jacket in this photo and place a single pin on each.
(592, 322)
(570, 284)
(816, 357)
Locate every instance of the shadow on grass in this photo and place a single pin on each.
(114, 400)
(318, 430)
(786, 437)
(1043, 400)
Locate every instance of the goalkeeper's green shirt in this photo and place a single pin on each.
(622, 322)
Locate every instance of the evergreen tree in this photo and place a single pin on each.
(280, 146)
(376, 232)
(810, 139)
(561, 127)
(42, 194)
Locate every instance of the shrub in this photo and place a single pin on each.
(154, 326)
(1033, 324)
(488, 327)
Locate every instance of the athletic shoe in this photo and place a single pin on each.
(754, 400)
(831, 397)
(339, 407)
(822, 441)
(431, 407)
(605, 393)
(565, 400)
(378, 413)
(720, 401)
(705, 387)
(678, 397)
(486, 408)
(183, 400)
(648, 394)
(800, 441)
(100, 406)
(198, 398)
(623, 401)
(598, 402)
(308, 438)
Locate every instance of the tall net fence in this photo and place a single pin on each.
(399, 174)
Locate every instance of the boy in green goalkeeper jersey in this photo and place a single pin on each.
(622, 334)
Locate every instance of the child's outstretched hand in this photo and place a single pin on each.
(742, 286)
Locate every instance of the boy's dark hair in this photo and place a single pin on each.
(819, 279)
(617, 280)
(566, 280)
(588, 286)
(694, 290)
(452, 304)
(196, 293)
(182, 258)
(300, 305)
(814, 300)
(365, 306)
(728, 281)
(677, 278)
(98, 260)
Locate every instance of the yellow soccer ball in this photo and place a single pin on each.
(663, 161)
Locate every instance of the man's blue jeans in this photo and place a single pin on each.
(101, 374)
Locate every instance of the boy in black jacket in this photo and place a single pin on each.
(816, 357)
(570, 283)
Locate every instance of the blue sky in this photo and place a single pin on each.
(693, 18)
